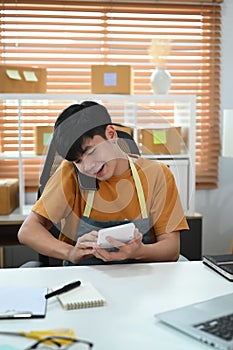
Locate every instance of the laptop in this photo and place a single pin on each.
(210, 321)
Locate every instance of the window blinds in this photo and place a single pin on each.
(67, 37)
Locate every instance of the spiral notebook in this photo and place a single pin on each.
(82, 297)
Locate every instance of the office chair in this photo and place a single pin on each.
(51, 163)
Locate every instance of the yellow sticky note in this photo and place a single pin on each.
(159, 137)
(30, 76)
(13, 74)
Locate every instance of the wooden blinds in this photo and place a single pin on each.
(67, 37)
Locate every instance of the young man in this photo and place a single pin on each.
(128, 189)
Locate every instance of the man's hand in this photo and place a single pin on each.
(124, 251)
(84, 247)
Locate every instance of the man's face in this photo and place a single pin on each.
(100, 157)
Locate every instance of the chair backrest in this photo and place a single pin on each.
(52, 162)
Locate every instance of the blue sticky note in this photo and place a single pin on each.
(8, 347)
(110, 79)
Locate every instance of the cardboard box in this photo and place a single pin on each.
(43, 136)
(160, 140)
(110, 79)
(9, 194)
(20, 79)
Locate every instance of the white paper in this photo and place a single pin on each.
(22, 300)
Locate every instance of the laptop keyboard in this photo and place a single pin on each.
(221, 327)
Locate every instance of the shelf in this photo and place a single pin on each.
(78, 97)
(16, 155)
(9, 155)
(18, 215)
(166, 156)
(135, 111)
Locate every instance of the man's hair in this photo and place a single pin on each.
(76, 150)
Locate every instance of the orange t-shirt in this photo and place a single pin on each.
(116, 199)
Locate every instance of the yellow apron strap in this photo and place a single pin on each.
(90, 199)
(140, 193)
(139, 189)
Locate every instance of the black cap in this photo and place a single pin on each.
(71, 129)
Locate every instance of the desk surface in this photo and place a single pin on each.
(133, 292)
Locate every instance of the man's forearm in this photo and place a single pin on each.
(166, 249)
(37, 237)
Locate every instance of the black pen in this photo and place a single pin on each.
(64, 289)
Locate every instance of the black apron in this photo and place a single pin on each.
(87, 224)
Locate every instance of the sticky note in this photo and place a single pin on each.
(47, 138)
(159, 137)
(13, 74)
(110, 79)
(30, 76)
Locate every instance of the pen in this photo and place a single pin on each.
(64, 289)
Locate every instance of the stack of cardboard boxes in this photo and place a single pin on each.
(17, 79)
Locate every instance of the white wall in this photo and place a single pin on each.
(216, 206)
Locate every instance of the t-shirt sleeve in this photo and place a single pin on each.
(167, 209)
(56, 203)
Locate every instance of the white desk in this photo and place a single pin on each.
(133, 292)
